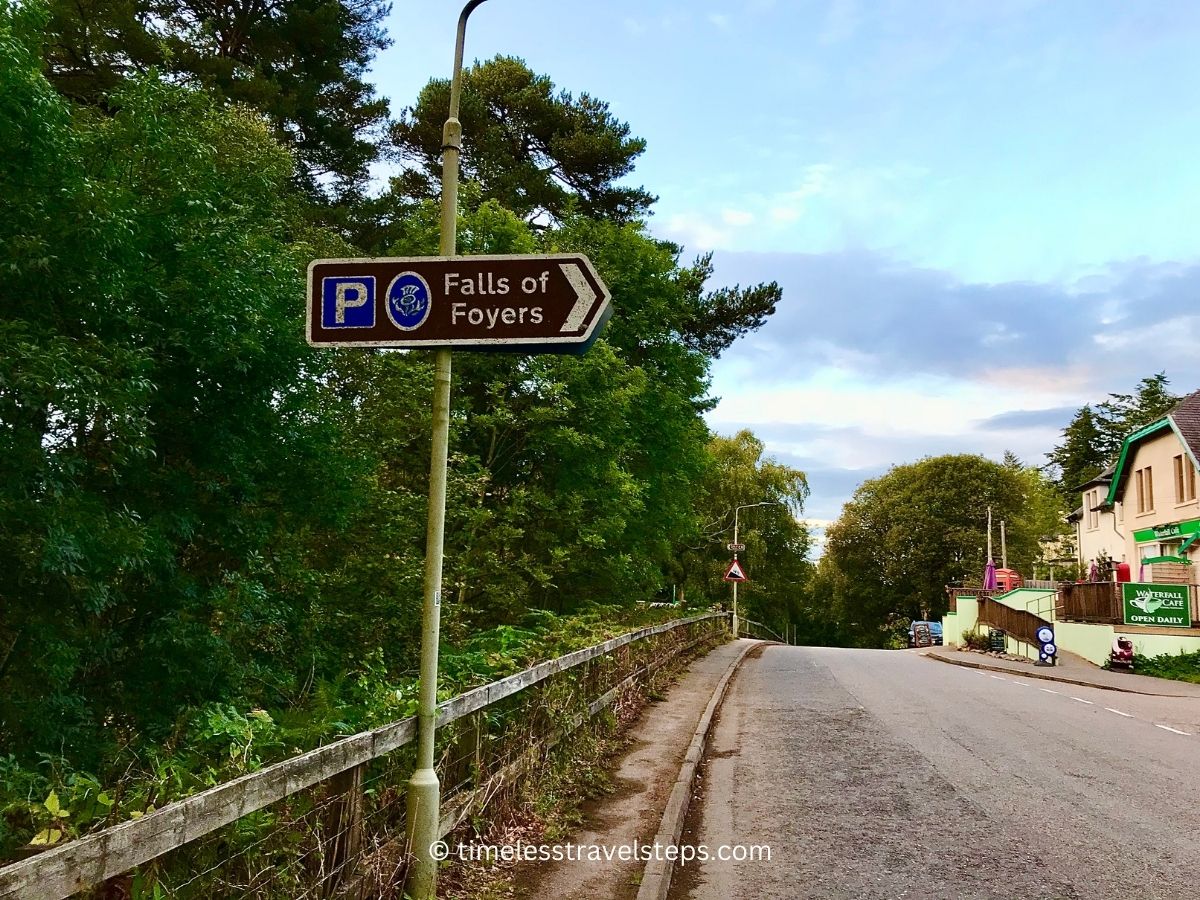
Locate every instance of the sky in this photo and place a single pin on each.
(982, 212)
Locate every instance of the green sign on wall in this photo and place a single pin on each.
(1175, 529)
(1157, 604)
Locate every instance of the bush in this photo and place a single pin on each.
(1177, 666)
(973, 640)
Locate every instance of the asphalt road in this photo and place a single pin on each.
(885, 774)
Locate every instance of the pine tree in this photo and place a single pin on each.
(1082, 455)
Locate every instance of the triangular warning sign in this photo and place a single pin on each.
(735, 572)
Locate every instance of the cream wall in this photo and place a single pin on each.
(1158, 453)
(1108, 537)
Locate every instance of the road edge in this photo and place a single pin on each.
(656, 877)
(1044, 676)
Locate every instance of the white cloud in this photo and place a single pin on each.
(737, 217)
(696, 232)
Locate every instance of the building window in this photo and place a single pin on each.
(1185, 480)
(1144, 483)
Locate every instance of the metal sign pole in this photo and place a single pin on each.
(735, 584)
(424, 802)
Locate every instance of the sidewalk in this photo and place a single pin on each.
(1071, 669)
(643, 780)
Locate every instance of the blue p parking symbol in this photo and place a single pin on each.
(348, 302)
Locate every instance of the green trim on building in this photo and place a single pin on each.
(1167, 559)
(1183, 548)
(1173, 529)
(1118, 472)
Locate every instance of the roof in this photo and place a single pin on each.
(1104, 477)
(1076, 516)
(1183, 419)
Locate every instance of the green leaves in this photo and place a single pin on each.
(540, 153)
(905, 536)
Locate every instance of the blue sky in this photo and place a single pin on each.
(981, 211)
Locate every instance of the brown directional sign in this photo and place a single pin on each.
(530, 304)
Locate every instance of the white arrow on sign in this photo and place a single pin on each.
(585, 295)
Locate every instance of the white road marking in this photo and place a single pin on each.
(1119, 713)
(1175, 730)
(998, 678)
(1023, 683)
(1081, 700)
(1048, 691)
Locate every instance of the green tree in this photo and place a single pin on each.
(1093, 438)
(1122, 414)
(903, 537)
(303, 63)
(1082, 454)
(777, 542)
(539, 152)
(166, 480)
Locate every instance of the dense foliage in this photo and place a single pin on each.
(301, 62)
(1092, 440)
(538, 151)
(1177, 666)
(905, 536)
(210, 529)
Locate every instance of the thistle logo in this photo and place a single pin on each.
(408, 301)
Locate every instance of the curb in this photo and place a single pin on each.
(656, 878)
(1042, 676)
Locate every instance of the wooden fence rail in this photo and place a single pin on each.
(104, 855)
(1019, 623)
(1098, 602)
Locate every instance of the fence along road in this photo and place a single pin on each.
(114, 851)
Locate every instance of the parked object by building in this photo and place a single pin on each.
(1122, 654)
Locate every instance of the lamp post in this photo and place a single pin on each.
(424, 801)
(735, 540)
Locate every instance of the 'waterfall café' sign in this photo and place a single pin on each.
(1160, 605)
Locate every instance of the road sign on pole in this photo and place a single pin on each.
(735, 572)
(530, 304)
(736, 548)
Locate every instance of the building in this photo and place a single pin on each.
(1143, 510)
(1152, 497)
(1097, 532)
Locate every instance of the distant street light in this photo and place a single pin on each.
(735, 540)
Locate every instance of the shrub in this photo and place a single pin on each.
(1177, 666)
(973, 640)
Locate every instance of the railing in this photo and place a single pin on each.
(1019, 623)
(751, 629)
(1098, 602)
(956, 592)
(332, 820)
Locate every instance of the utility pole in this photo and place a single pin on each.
(424, 800)
(735, 556)
(1003, 547)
